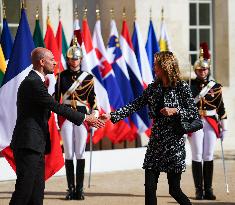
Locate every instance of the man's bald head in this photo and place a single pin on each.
(43, 60)
(37, 54)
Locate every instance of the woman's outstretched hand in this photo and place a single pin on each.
(105, 117)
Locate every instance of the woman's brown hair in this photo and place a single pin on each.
(168, 62)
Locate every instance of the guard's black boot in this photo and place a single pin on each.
(197, 177)
(79, 194)
(208, 175)
(70, 179)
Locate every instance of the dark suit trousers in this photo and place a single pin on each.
(30, 184)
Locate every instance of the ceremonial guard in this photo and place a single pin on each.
(75, 88)
(208, 98)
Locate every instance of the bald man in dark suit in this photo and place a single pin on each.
(31, 140)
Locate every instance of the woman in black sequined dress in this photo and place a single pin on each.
(170, 100)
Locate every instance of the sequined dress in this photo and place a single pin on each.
(166, 149)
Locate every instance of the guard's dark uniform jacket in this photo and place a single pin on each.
(211, 106)
(83, 99)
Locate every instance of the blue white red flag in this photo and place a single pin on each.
(121, 130)
(143, 62)
(135, 76)
(118, 64)
(18, 68)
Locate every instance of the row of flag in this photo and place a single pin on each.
(122, 70)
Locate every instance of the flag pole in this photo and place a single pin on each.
(91, 148)
(91, 129)
(58, 93)
(150, 13)
(225, 171)
(37, 13)
(112, 13)
(190, 71)
(124, 13)
(23, 4)
(59, 11)
(3, 12)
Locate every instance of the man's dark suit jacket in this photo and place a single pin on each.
(34, 104)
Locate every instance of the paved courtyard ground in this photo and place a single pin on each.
(127, 187)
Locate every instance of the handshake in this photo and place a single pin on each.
(99, 122)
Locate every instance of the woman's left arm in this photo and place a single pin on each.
(187, 107)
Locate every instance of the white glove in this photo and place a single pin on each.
(224, 124)
(223, 133)
(224, 127)
(96, 112)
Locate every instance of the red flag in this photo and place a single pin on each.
(59, 37)
(51, 44)
(62, 45)
(54, 160)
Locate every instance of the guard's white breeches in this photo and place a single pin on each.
(203, 142)
(74, 140)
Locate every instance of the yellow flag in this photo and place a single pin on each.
(164, 41)
(2, 65)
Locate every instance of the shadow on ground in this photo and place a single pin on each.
(90, 194)
(93, 194)
(208, 202)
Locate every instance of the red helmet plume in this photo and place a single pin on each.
(206, 54)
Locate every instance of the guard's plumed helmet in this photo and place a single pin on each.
(204, 60)
(74, 52)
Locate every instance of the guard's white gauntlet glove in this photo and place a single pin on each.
(224, 128)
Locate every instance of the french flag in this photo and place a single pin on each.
(121, 130)
(90, 64)
(143, 62)
(18, 68)
(135, 76)
(118, 64)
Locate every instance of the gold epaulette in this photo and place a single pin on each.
(217, 94)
